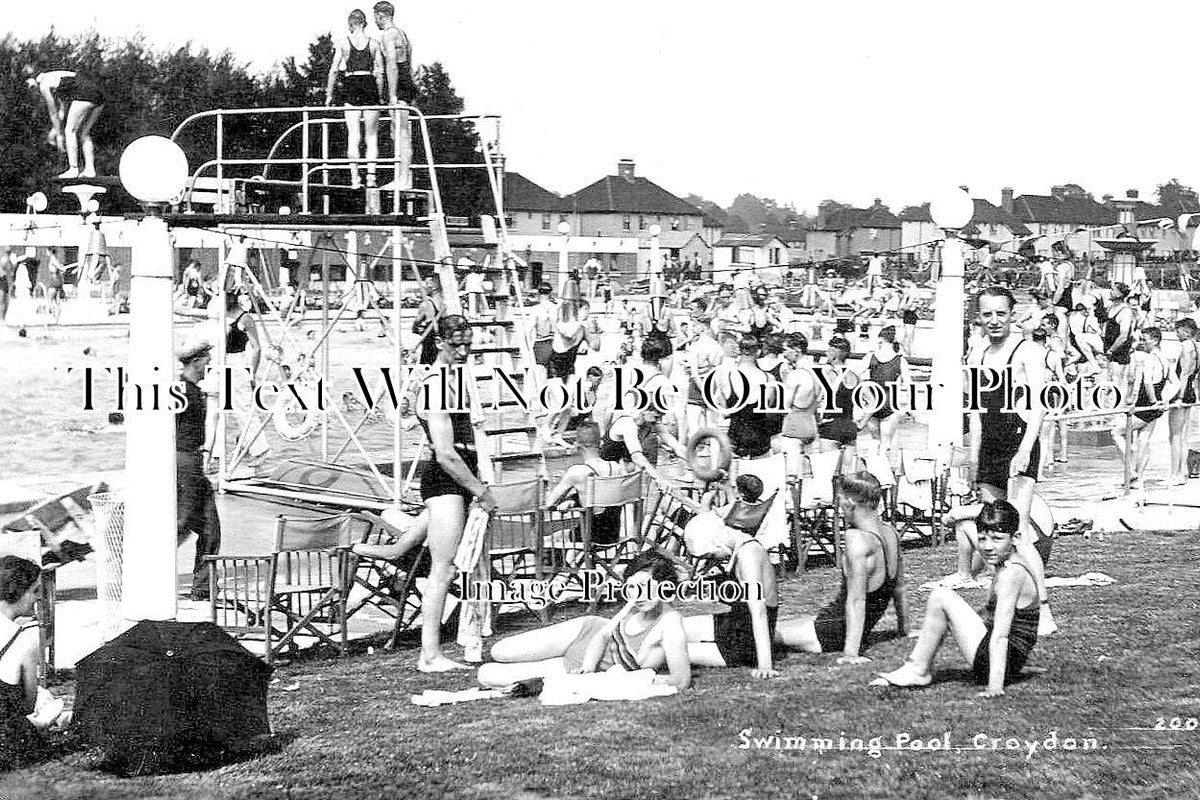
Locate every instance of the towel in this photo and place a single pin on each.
(435, 697)
(919, 466)
(818, 490)
(879, 466)
(614, 684)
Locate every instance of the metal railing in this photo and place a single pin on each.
(319, 116)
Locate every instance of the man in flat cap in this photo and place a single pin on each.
(196, 506)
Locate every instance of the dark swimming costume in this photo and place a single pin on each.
(1144, 398)
(885, 374)
(1001, 434)
(839, 426)
(1112, 329)
(615, 449)
(750, 430)
(236, 338)
(84, 89)
(908, 317)
(1188, 383)
(435, 481)
(1022, 636)
(562, 365)
(359, 87)
(733, 631)
(830, 623)
(19, 740)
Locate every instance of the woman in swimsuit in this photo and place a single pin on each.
(18, 661)
(872, 559)
(887, 368)
(360, 61)
(743, 636)
(1151, 379)
(1186, 370)
(646, 634)
(997, 643)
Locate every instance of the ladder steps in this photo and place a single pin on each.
(488, 323)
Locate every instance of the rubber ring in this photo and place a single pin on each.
(704, 471)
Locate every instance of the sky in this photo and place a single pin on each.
(795, 101)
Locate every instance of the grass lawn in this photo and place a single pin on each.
(1127, 655)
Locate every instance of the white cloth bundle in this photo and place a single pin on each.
(614, 684)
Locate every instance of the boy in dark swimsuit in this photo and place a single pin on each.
(872, 557)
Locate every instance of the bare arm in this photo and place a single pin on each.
(390, 67)
(900, 597)
(1008, 586)
(253, 345)
(377, 69)
(572, 481)
(339, 60)
(751, 564)
(674, 644)
(856, 554)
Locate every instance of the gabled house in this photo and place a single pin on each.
(844, 232)
(531, 209)
(626, 204)
(1066, 214)
(763, 254)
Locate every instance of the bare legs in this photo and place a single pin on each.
(77, 135)
(945, 613)
(447, 517)
(356, 133)
(533, 654)
(402, 136)
(1177, 422)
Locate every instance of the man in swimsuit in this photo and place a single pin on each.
(359, 59)
(397, 65)
(887, 368)
(1004, 446)
(74, 104)
(910, 301)
(1064, 282)
(871, 558)
(1187, 368)
(1118, 334)
(572, 487)
(570, 333)
(449, 482)
(705, 354)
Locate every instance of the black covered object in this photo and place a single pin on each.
(171, 695)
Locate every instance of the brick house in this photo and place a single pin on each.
(844, 232)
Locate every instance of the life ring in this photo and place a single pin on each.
(702, 470)
(287, 408)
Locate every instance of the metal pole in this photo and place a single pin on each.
(148, 583)
(305, 136)
(325, 346)
(397, 275)
(564, 260)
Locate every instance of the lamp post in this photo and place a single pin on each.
(656, 273)
(950, 211)
(154, 170)
(564, 256)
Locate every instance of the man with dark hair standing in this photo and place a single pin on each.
(397, 67)
(1004, 442)
(195, 504)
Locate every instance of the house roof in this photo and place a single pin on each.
(635, 195)
(747, 240)
(988, 214)
(522, 194)
(1148, 211)
(844, 219)
(1070, 211)
(675, 240)
(916, 214)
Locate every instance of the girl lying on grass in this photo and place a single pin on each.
(646, 634)
(996, 644)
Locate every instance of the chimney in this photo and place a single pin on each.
(878, 201)
(1132, 194)
(1059, 193)
(625, 169)
(1006, 199)
(1106, 199)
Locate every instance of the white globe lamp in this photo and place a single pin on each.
(564, 228)
(655, 230)
(952, 209)
(154, 169)
(36, 202)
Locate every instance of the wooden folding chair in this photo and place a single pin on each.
(627, 493)
(515, 531)
(299, 589)
(390, 587)
(916, 498)
(816, 523)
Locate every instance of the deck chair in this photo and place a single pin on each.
(916, 505)
(744, 516)
(515, 531)
(62, 522)
(669, 511)
(390, 587)
(299, 589)
(624, 492)
(816, 523)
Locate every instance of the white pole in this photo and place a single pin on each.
(945, 425)
(564, 260)
(148, 586)
(656, 271)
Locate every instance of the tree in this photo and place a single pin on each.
(1177, 198)
(465, 192)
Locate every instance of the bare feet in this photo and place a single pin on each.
(88, 173)
(70, 173)
(1046, 624)
(906, 675)
(439, 664)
